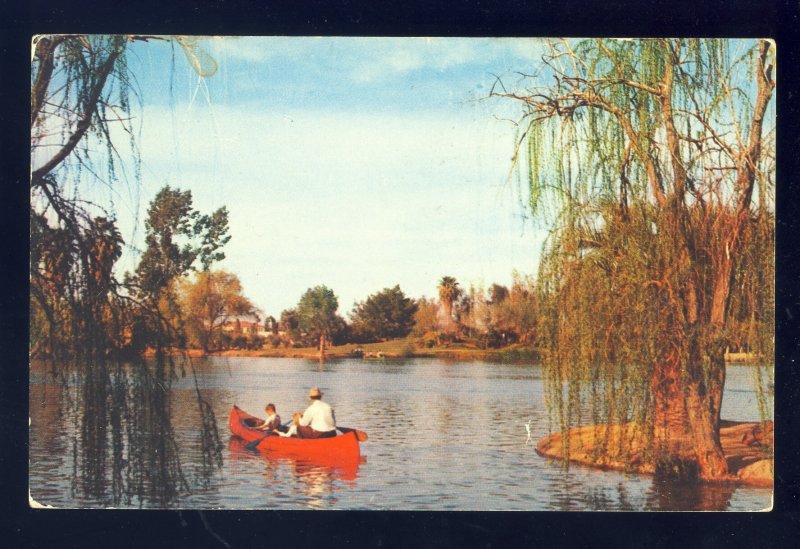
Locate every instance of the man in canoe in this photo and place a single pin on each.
(272, 421)
(319, 419)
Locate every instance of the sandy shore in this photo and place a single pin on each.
(391, 349)
(404, 349)
(743, 358)
(746, 448)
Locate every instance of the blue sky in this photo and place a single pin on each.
(358, 163)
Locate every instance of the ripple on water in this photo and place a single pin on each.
(442, 436)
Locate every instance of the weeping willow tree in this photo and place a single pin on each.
(654, 162)
(81, 92)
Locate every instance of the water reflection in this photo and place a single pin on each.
(315, 480)
(117, 423)
(672, 496)
(421, 456)
(582, 488)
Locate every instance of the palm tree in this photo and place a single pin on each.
(449, 292)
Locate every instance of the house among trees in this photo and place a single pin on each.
(248, 325)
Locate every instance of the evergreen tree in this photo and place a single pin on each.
(385, 314)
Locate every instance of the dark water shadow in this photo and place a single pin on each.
(688, 496)
(124, 447)
(633, 492)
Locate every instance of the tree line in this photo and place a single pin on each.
(503, 317)
(215, 314)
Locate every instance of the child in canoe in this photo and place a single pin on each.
(272, 421)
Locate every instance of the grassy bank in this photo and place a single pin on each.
(397, 348)
(407, 348)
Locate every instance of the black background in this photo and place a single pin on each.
(21, 526)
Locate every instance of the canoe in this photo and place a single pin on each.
(337, 468)
(343, 447)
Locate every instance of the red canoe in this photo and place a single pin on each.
(338, 448)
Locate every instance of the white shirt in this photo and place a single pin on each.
(271, 422)
(319, 416)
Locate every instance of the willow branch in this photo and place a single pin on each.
(673, 142)
(45, 51)
(650, 167)
(85, 120)
(746, 175)
(621, 79)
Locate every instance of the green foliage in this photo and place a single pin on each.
(385, 314)
(341, 332)
(751, 324)
(289, 323)
(316, 313)
(644, 156)
(173, 227)
(75, 80)
(503, 318)
(514, 313)
(426, 319)
(449, 293)
(514, 355)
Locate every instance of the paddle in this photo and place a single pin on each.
(252, 445)
(360, 435)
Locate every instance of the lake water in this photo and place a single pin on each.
(443, 435)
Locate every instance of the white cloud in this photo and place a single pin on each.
(369, 58)
(246, 48)
(357, 201)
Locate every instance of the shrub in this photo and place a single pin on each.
(255, 342)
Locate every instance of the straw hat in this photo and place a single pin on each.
(315, 393)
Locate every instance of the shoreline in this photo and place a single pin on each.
(396, 349)
(389, 350)
(746, 450)
(742, 358)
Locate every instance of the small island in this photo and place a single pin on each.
(747, 447)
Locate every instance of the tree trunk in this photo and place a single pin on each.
(688, 400)
(686, 434)
(321, 346)
(671, 428)
(702, 408)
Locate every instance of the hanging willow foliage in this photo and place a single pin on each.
(83, 316)
(644, 156)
